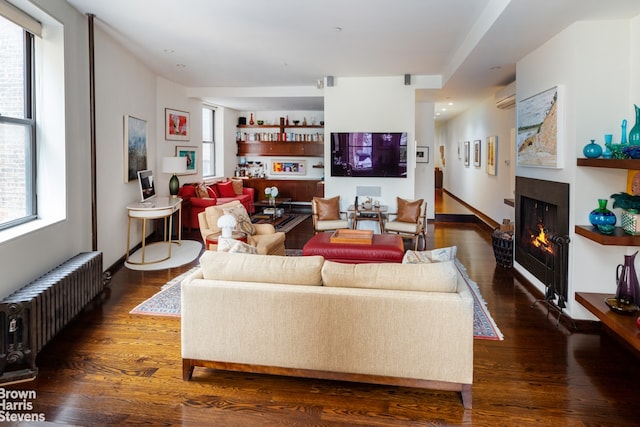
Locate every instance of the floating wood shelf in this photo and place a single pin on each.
(618, 238)
(611, 163)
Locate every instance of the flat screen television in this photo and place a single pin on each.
(369, 154)
(147, 186)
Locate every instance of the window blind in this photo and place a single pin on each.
(20, 18)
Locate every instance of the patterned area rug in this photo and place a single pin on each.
(167, 303)
(285, 223)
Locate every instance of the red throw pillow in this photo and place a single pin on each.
(226, 189)
(187, 191)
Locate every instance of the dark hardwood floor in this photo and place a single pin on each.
(111, 368)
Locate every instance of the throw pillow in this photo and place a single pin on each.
(427, 257)
(408, 211)
(235, 246)
(237, 186)
(201, 190)
(242, 218)
(328, 209)
(187, 191)
(226, 189)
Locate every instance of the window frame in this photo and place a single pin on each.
(209, 146)
(29, 123)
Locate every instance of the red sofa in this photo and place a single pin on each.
(219, 193)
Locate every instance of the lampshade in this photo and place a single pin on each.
(227, 223)
(174, 165)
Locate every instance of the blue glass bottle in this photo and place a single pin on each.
(634, 133)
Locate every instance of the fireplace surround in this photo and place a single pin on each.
(541, 234)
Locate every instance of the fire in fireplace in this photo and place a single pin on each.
(542, 227)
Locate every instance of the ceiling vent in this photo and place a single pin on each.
(506, 97)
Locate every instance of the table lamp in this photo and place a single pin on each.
(227, 223)
(174, 165)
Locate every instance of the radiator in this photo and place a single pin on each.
(31, 316)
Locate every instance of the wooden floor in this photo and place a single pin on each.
(112, 368)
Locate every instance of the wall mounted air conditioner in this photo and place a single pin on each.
(506, 97)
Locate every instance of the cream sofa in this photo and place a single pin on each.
(397, 324)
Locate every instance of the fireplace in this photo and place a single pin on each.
(542, 228)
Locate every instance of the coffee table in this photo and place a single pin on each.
(275, 205)
(384, 248)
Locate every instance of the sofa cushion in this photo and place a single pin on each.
(408, 211)
(435, 255)
(435, 277)
(187, 191)
(328, 209)
(236, 183)
(262, 268)
(201, 190)
(226, 189)
(242, 219)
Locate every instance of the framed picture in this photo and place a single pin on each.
(477, 146)
(492, 155)
(192, 158)
(538, 122)
(422, 154)
(176, 125)
(281, 167)
(135, 147)
(466, 153)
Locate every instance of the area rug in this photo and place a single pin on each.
(167, 303)
(181, 254)
(285, 223)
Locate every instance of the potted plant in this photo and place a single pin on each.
(630, 205)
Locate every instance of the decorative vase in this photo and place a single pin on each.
(603, 218)
(630, 221)
(251, 122)
(634, 133)
(623, 139)
(592, 150)
(628, 291)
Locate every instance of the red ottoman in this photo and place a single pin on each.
(383, 248)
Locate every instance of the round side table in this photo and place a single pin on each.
(212, 239)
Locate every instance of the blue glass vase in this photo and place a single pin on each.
(602, 218)
(592, 150)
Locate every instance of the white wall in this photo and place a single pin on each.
(594, 73)
(484, 192)
(66, 138)
(375, 104)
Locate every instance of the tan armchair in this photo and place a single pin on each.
(264, 237)
(410, 220)
(326, 215)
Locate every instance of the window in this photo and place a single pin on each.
(208, 142)
(17, 126)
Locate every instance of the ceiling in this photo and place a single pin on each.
(472, 44)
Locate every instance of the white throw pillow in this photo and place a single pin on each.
(235, 246)
(426, 257)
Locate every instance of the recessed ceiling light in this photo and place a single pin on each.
(443, 109)
(169, 51)
(497, 67)
(337, 29)
(437, 114)
(181, 66)
(451, 103)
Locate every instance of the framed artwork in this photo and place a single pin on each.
(135, 147)
(422, 154)
(492, 155)
(192, 158)
(633, 182)
(176, 125)
(466, 153)
(477, 146)
(281, 167)
(538, 125)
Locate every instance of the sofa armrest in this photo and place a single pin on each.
(264, 228)
(249, 191)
